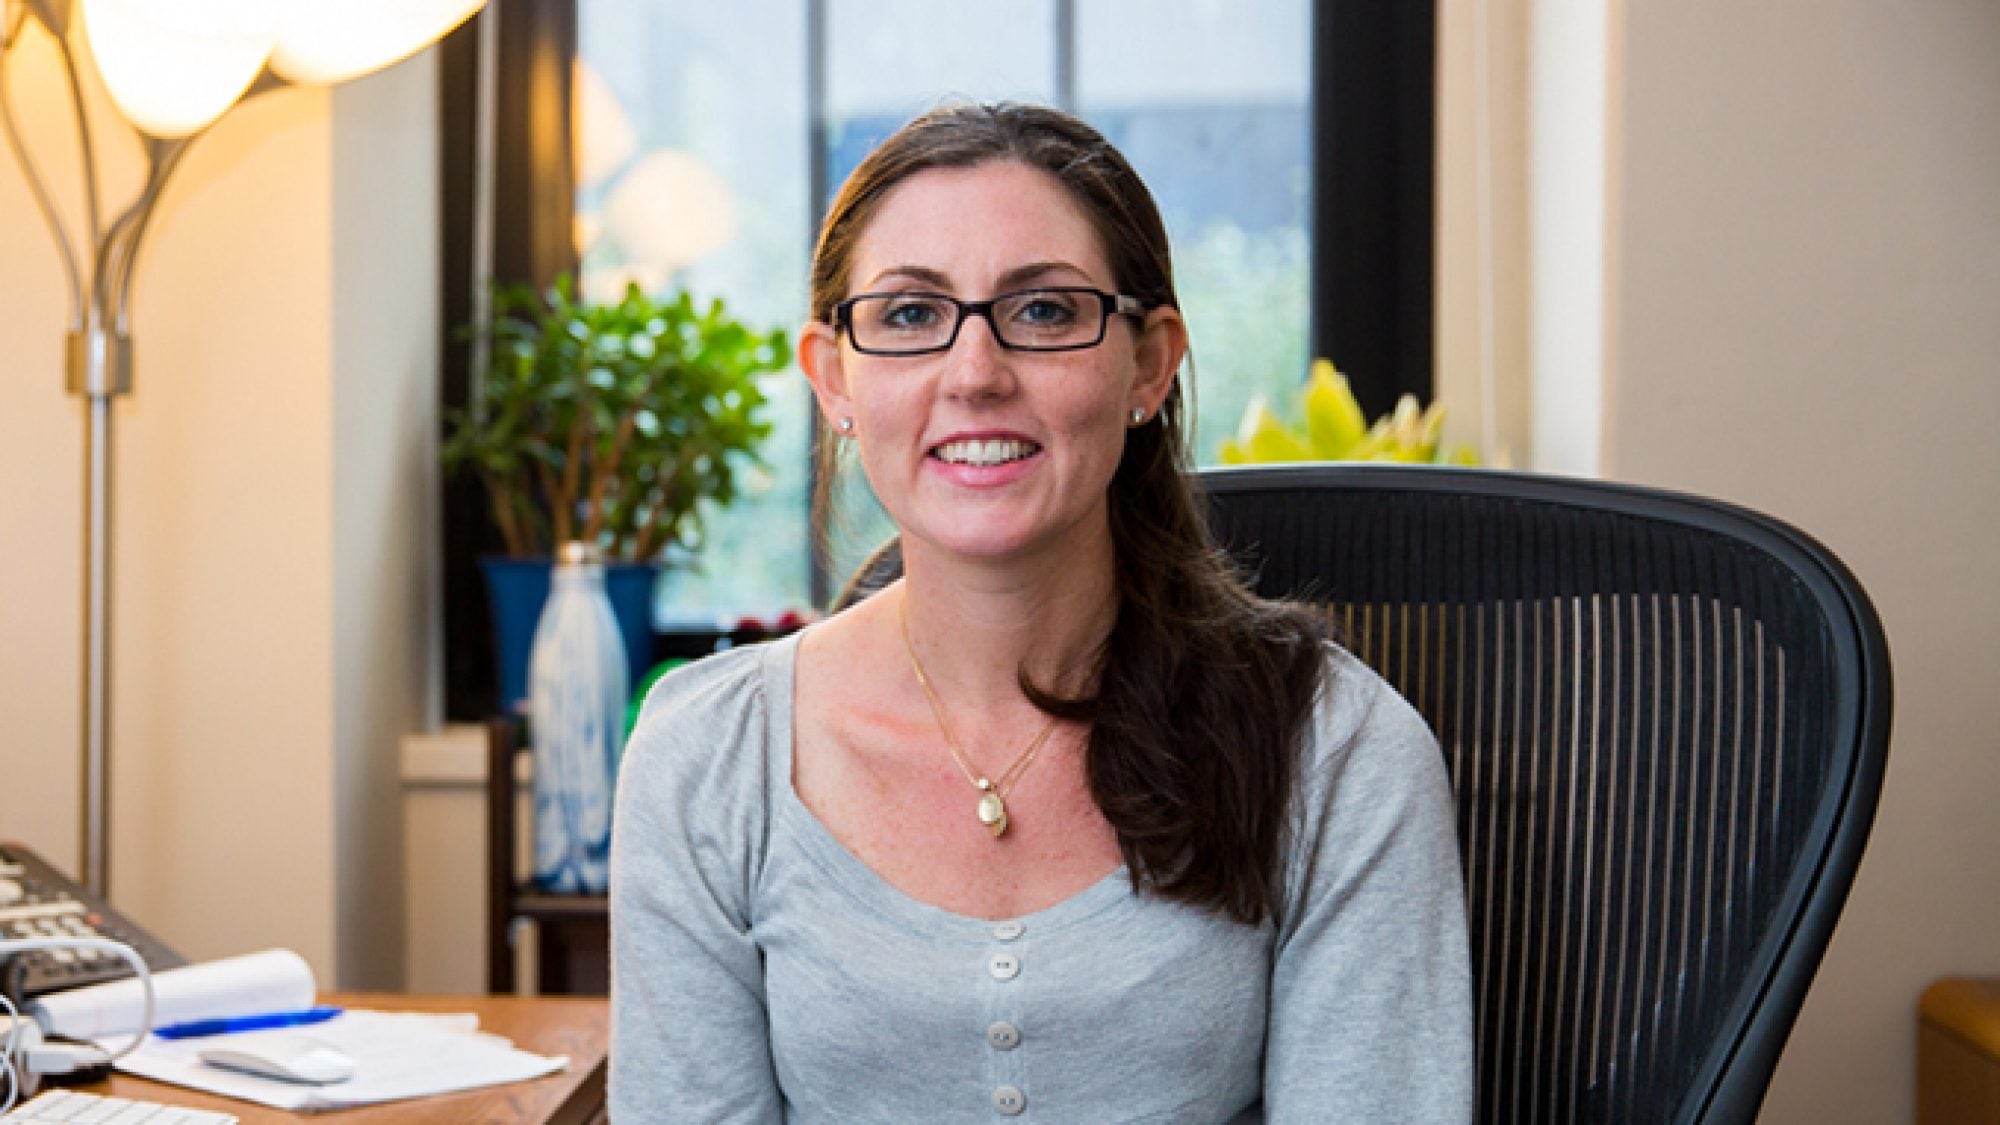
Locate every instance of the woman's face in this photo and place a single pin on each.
(979, 450)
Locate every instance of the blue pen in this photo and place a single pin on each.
(195, 1029)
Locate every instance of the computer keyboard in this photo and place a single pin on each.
(69, 1107)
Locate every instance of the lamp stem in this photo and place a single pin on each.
(84, 147)
(97, 646)
(98, 367)
(51, 214)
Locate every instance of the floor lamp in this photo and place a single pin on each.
(172, 68)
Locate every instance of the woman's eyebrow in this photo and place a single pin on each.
(1016, 278)
(1037, 271)
(922, 275)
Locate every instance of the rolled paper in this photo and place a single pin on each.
(275, 980)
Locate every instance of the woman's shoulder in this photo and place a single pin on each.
(733, 677)
(1372, 780)
(710, 721)
(1363, 728)
(699, 692)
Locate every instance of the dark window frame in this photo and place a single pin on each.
(1373, 126)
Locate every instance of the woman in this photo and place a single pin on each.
(1063, 824)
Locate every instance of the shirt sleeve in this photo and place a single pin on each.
(1371, 997)
(690, 1037)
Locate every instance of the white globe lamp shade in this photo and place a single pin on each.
(326, 41)
(174, 66)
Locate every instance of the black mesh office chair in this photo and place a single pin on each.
(1666, 721)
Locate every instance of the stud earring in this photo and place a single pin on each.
(847, 426)
(1138, 415)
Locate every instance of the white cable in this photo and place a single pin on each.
(12, 946)
(14, 1019)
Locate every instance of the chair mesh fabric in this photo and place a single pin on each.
(1636, 714)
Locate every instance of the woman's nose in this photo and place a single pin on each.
(977, 366)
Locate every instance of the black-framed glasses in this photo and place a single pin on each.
(1061, 318)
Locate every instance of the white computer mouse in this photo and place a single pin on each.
(285, 1055)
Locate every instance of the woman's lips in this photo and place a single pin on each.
(984, 461)
(984, 452)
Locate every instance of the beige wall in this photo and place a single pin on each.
(1482, 251)
(1807, 308)
(1522, 242)
(272, 499)
(387, 629)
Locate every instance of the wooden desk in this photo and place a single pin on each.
(573, 1026)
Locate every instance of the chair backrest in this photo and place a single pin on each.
(1666, 721)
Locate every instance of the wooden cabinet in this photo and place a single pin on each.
(1958, 1052)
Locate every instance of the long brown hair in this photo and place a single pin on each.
(1203, 690)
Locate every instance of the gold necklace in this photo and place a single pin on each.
(992, 809)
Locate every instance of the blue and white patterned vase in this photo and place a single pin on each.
(577, 688)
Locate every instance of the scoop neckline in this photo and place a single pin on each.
(862, 882)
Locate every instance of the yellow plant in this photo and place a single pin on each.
(1334, 429)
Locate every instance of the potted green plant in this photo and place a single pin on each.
(615, 423)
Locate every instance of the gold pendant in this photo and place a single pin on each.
(993, 814)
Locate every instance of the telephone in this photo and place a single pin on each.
(36, 901)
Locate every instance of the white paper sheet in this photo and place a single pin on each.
(397, 1055)
(276, 980)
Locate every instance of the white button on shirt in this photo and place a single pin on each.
(1008, 931)
(1009, 1101)
(1004, 1036)
(1004, 966)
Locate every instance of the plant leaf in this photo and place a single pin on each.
(1334, 422)
(1266, 438)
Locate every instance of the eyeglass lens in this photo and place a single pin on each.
(1034, 319)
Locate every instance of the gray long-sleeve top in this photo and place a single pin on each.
(761, 972)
